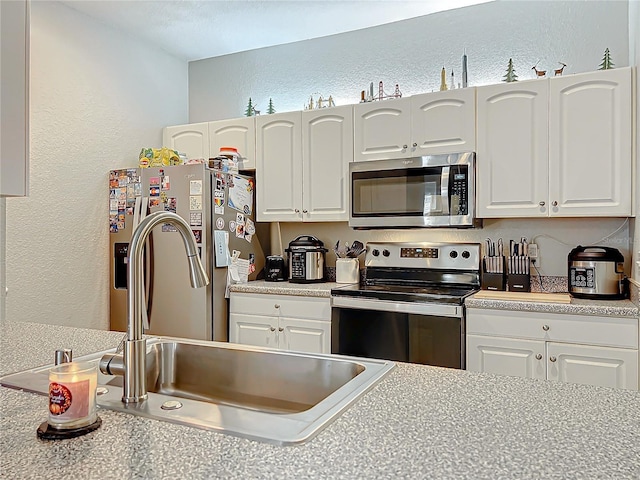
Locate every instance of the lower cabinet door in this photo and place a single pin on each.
(604, 366)
(309, 336)
(253, 330)
(506, 356)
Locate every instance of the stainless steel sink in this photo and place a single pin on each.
(270, 395)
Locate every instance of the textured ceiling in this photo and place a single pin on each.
(193, 30)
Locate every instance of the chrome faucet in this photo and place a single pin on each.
(131, 363)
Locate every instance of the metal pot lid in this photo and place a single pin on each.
(594, 253)
(307, 243)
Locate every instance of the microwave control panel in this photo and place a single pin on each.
(458, 193)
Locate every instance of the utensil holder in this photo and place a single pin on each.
(518, 282)
(347, 270)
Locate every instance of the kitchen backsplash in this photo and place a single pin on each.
(555, 238)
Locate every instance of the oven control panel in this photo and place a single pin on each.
(418, 252)
(455, 256)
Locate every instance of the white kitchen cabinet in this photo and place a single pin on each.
(281, 321)
(590, 144)
(563, 347)
(239, 133)
(327, 150)
(425, 124)
(513, 142)
(191, 139)
(506, 356)
(302, 165)
(14, 96)
(279, 167)
(382, 130)
(443, 122)
(559, 147)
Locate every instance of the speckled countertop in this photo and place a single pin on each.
(611, 308)
(287, 288)
(419, 422)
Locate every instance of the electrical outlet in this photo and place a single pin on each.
(534, 255)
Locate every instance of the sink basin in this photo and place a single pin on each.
(270, 395)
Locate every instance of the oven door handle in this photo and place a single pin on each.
(433, 309)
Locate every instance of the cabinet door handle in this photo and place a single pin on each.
(404, 147)
(542, 204)
(273, 329)
(277, 305)
(415, 144)
(297, 211)
(281, 329)
(539, 356)
(552, 359)
(545, 328)
(554, 203)
(305, 211)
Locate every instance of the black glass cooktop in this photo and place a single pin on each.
(401, 293)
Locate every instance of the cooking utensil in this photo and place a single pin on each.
(357, 248)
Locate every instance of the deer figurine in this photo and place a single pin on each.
(539, 73)
(558, 71)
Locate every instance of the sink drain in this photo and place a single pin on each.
(171, 405)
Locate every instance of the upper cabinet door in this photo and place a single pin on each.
(443, 122)
(512, 155)
(327, 149)
(238, 133)
(382, 129)
(279, 167)
(14, 92)
(192, 139)
(590, 144)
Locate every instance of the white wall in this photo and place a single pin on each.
(412, 53)
(97, 98)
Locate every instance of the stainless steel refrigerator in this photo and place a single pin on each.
(219, 207)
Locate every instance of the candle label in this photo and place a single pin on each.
(70, 401)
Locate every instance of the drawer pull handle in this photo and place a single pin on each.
(545, 328)
(273, 329)
(281, 329)
(552, 359)
(542, 204)
(539, 356)
(277, 305)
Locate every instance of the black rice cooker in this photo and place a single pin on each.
(306, 259)
(597, 273)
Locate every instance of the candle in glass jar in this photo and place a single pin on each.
(72, 395)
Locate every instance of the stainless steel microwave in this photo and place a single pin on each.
(429, 191)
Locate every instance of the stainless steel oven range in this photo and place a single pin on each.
(411, 305)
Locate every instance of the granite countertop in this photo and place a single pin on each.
(419, 422)
(607, 308)
(322, 289)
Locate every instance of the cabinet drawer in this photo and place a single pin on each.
(312, 308)
(592, 330)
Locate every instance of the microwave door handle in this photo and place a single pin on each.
(444, 190)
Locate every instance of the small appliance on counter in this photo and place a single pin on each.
(597, 273)
(306, 259)
(274, 269)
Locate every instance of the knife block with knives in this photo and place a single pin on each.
(506, 273)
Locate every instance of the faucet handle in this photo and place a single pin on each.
(63, 355)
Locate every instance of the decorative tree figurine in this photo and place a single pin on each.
(606, 61)
(249, 112)
(270, 108)
(511, 73)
